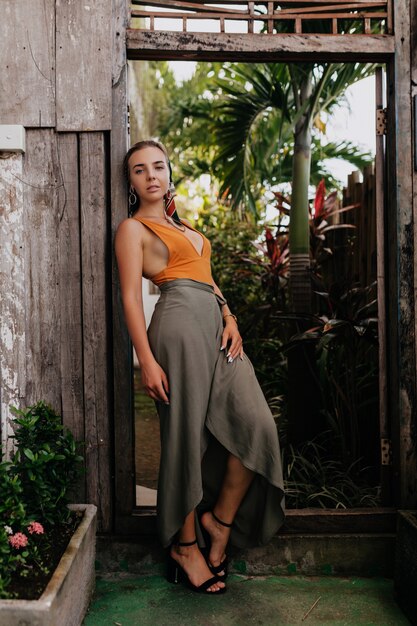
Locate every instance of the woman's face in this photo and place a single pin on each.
(149, 174)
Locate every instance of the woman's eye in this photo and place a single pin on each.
(138, 171)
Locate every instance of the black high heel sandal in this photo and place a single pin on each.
(176, 574)
(223, 566)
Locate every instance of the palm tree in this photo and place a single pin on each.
(265, 113)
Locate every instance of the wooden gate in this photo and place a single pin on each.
(321, 30)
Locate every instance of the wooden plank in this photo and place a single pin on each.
(401, 261)
(125, 493)
(72, 382)
(173, 4)
(315, 520)
(27, 52)
(360, 196)
(42, 182)
(309, 11)
(214, 11)
(83, 61)
(12, 290)
(312, 521)
(390, 25)
(189, 6)
(96, 323)
(236, 47)
(393, 321)
(413, 22)
(209, 6)
(380, 205)
(411, 452)
(284, 14)
(351, 6)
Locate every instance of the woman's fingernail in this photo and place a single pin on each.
(230, 359)
(228, 354)
(166, 402)
(241, 358)
(222, 348)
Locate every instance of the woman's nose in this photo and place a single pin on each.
(151, 174)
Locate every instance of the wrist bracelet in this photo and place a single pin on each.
(230, 315)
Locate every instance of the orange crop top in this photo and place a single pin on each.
(184, 260)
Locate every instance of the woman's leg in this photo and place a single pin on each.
(190, 557)
(236, 482)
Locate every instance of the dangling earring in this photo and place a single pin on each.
(169, 207)
(132, 196)
(169, 199)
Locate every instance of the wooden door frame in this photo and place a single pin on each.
(129, 519)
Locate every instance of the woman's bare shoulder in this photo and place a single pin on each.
(130, 226)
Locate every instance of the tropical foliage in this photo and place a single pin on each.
(260, 120)
(251, 267)
(242, 124)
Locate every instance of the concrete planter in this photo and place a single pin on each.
(405, 576)
(67, 595)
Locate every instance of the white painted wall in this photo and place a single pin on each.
(12, 293)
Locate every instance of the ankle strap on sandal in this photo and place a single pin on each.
(219, 521)
(186, 544)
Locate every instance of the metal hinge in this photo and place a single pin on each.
(381, 121)
(128, 119)
(386, 452)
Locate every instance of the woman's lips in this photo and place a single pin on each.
(153, 188)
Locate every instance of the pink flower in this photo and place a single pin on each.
(19, 540)
(35, 527)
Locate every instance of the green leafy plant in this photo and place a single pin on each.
(35, 523)
(12, 512)
(316, 477)
(345, 340)
(20, 537)
(250, 264)
(46, 462)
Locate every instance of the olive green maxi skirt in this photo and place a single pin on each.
(215, 408)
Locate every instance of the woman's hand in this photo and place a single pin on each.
(155, 381)
(231, 333)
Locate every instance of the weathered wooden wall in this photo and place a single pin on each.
(83, 65)
(56, 236)
(27, 57)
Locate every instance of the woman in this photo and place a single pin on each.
(220, 472)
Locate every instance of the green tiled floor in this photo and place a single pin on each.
(266, 601)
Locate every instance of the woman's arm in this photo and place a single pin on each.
(230, 332)
(129, 254)
(225, 308)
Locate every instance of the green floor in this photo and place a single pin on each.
(150, 600)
